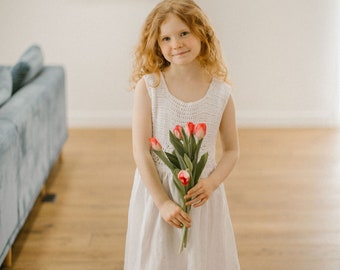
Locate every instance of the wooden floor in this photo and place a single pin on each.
(284, 197)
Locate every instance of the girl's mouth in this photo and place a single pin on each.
(180, 53)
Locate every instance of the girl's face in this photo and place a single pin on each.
(178, 44)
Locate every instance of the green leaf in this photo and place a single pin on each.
(163, 157)
(188, 162)
(200, 166)
(191, 182)
(185, 141)
(177, 144)
(173, 159)
(181, 161)
(192, 146)
(197, 149)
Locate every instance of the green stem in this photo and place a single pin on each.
(184, 237)
(184, 240)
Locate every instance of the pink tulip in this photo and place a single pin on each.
(155, 145)
(189, 128)
(200, 130)
(178, 132)
(184, 177)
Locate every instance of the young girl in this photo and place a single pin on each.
(180, 77)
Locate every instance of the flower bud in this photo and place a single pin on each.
(155, 145)
(178, 132)
(184, 177)
(189, 128)
(200, 130)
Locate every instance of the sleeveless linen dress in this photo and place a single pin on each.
(152, 244)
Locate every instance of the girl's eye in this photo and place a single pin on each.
(185, 33)
(165, 39)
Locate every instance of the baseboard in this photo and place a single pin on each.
(287, 119)
(123, 119)
(100, 119)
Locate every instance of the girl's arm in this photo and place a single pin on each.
(230, 147)
(141, 132)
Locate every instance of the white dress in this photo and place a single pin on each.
(152, 244)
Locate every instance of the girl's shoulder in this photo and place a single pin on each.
(152, 80)
(222, 87)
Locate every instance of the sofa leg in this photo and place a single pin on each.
(43, 191)
(60, 159)
(8, 259)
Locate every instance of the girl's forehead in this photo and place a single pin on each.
(172, 23)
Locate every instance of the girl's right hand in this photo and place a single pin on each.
(173, 214)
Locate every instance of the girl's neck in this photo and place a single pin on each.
(187, 73)
(187, 84)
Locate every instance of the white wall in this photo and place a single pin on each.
(282, 55)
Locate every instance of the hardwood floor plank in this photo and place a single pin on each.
(283, 197)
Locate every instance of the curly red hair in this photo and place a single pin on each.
(148, 55)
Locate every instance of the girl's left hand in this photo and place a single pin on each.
(200, 193)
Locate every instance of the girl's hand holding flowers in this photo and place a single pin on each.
(200, 193)
(174, 215)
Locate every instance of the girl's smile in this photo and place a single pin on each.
(181, 53)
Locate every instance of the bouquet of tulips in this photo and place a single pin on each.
(184, 161)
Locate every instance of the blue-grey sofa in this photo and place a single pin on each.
(33, 130)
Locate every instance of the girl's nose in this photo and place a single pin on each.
(176, 43)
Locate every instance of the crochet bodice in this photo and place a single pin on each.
(169, 111)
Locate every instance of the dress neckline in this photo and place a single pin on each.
(182, 101)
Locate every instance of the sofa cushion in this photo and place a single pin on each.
(28, 67)
(19, 72)
(5, 84)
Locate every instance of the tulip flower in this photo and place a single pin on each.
(200, 131)
(184, 177)
(189, 128)
(178, 132)
(155, 145)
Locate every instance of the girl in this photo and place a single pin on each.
(180, 77)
